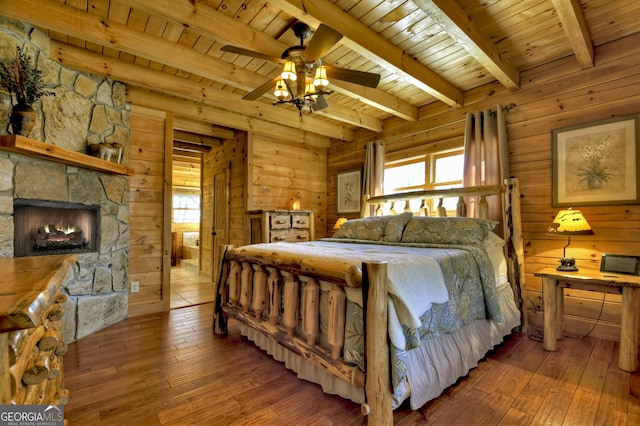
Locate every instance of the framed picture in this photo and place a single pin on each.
(596, 163)
(348, 191)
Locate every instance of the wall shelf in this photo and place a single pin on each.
(33, 148)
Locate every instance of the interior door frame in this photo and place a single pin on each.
(226, 200)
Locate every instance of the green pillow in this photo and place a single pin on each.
(395, 227)
(447, 230)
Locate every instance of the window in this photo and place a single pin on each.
(436, 170)
(186, 207)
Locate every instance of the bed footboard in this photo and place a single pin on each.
(283, 303)
(278, 302)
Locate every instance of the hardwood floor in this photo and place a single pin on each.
(170, 369)
(188, 288)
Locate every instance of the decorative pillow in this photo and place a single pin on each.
(370, 228)
(395, 227)
(447, 230)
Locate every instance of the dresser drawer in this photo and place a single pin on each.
(289, 236)
(280, 221)
(299, 221)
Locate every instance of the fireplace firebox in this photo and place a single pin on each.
(51, 227)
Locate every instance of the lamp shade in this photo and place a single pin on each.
(289, 71)
(569, 222)
(339, 223)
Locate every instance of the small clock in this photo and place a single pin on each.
(620, 263)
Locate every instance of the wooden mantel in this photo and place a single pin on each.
(33, 148)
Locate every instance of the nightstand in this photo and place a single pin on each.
(553, 284)
(272, 226)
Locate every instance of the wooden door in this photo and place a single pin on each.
(220, 221)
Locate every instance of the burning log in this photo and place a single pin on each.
(50, 237)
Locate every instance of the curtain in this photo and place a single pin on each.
(373, 177)
(486, 160)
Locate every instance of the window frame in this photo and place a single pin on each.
(429, 157)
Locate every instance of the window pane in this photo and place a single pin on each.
(404, 176)
(186, 201)
(186, 216)
(448, 169)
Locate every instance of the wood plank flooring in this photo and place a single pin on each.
(169, 369)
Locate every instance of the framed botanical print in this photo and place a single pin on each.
(349, 191)
(596, 163)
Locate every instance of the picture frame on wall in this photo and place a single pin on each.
(349, 191)
(596, 163)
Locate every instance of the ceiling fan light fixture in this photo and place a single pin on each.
(281, 92)
(320, 79)
(289, 71)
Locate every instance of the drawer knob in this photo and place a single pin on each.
(280, 222)
(281, 238)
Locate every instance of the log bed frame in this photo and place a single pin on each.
(249, 283)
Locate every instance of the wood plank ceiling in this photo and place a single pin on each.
(168, 51)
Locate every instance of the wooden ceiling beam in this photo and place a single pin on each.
(198, 111)
(190, 147)
(76, 23)
(194, 138)
(455, 22)
(371, 45)
(202, 128)
(157, 80)
(575, 27)
(210, 23)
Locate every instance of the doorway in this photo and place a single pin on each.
(188, 285)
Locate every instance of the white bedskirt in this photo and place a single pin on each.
(434, 366)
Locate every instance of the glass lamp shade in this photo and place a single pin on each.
(281, 92)
(320, 79)
(310, 91)
(289, 71)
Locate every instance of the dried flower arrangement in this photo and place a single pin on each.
(22, 79)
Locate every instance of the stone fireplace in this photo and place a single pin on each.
(85, 110)
(48, 227)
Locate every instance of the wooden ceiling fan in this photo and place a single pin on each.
(304, 79)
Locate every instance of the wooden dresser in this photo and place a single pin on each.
(272, 226)
(31, 346)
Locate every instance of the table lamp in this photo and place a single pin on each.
(569, 222)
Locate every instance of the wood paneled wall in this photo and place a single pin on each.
(146, 204)
(555, 95)
(280, 171)
(231, 154)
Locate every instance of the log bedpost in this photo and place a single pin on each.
(234, 282)
(336, 320)
(274, 288)
(291, 303)
(246, 286)
(259, 291)
(378, 383)
(310, 310)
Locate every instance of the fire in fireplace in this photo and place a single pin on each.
(50, 227)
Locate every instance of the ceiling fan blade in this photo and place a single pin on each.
(321, 103)
(362, 78)
(247, 52)
(259, 91)
(324, 39)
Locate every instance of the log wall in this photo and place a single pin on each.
(280, 172)
(555, 95)
(146, 204)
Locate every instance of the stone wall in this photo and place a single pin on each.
(85, 109)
